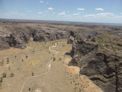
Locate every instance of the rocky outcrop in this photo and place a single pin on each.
(104, 69)
(19, 38)
(3, 43)
(48, 35)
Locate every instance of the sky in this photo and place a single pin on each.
(101, 11)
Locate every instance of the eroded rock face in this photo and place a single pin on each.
(3, 43)
(104, 69)
(48, 35)
(80, 44)
(18, 39)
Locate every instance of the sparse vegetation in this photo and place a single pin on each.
(32, 73)
(26, 57)
(1, 63)
(11, 74)
(60, 59)
(15, 57)
(22, 60)
(105, 40)
(1, 81)
(4, 75)
(54, 58)
(29, 89)
(7, 60)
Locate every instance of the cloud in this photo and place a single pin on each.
(39, 12)
(89, 15)
(99, 9)
(76, 14)
(104, 15)
(50, 8)
(62, 13)
(41, 2)
(80, 9)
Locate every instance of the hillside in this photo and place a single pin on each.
(50, 57)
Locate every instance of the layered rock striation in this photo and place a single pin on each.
(102, 67)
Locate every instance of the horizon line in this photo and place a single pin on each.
(57, 21)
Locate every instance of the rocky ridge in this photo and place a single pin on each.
(19, 39)
(101, 66)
